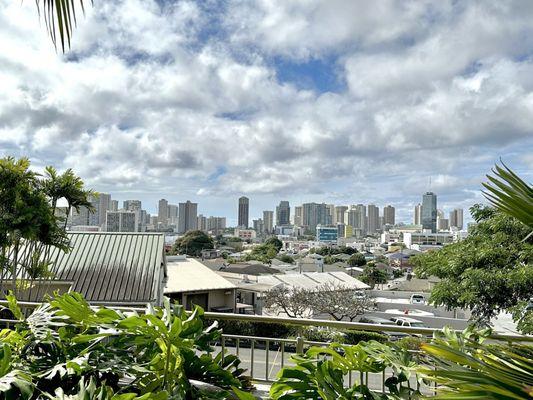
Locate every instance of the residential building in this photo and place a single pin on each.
(104, 205)
(121, 221)
(423, 240)
(362, 220)
(456, 218)
(244, 210)
(188, 217)
(315, 214)
(328, 234)
(258, 225)
(268, 221)
(113, 206)
(417, 217)
(373, 219)
(173, 214)
(245, 233)
(340, 213)
(298, 216)
(216, 225)
(332, 217)
(132, 205)
(443, 224)
(162, 212)
(429, 211)
(283, 213)
(389, 215)
(192, 283)
(202, 223)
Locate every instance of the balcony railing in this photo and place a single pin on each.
(263, 357)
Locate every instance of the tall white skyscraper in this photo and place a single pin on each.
(298, 215)
(417, 217)
(339, 214)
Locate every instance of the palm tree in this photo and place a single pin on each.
(60, 18)
(508, 193)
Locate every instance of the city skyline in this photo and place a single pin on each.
(364, 114)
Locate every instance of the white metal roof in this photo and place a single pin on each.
(191, 275)
(313, 280)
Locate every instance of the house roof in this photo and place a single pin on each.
(250, 269)
(112, 268)
(188, 275)
(313, 280)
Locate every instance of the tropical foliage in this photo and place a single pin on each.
(192, 243)
(60, 18)
(67, 348)
(463, 365)
(488, 272)
(30, 224)
(508, 193)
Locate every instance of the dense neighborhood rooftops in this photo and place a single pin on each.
(188, 275)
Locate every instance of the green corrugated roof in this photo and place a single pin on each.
(114, 268)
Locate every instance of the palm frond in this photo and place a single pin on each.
(60, 18)
(508, 193)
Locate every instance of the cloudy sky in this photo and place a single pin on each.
(335, 101)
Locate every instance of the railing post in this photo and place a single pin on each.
(299, 345)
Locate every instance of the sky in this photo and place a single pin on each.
(341, 102)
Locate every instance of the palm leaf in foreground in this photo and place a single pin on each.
(508, 193)
(59, 18)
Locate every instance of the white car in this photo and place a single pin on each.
(417, 299)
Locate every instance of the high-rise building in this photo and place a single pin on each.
(188, 217)
(244, 211)
(113, 205)
(456, 218)
(132, 205)
(339, 214)
(315, 214)
(298, 216)
(429, 211)
(268, 221)
(373, 219)
(173, 214)
(202, 223)
(121, 221)
(417, 217)
(389, 217)
(104, 205)
(216, 225)
(443, 224)
(283, 214)
(362, 222)
(162, 212)
(332, 217)
(258, 225)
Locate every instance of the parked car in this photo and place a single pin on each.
(417, 299)
(411, 322)
(368, 319)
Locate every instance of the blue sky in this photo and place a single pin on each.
(336, 101)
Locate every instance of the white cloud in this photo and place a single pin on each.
(149, 99)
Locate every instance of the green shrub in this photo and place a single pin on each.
(317, 334)
(354, 337)
(260, 329)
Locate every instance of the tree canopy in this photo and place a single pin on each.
(356, 260)
(372, 275)
(192, 243)
(489, 271)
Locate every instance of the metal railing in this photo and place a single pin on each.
(260, 354)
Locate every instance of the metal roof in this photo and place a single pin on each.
(113, 268)
(188, 275)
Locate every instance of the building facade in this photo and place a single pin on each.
(456, 218)
(328, 234)
(268, 221)
(283, 213)
(429, 211)
(389, 215)
(244, 212)
(188, 217)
